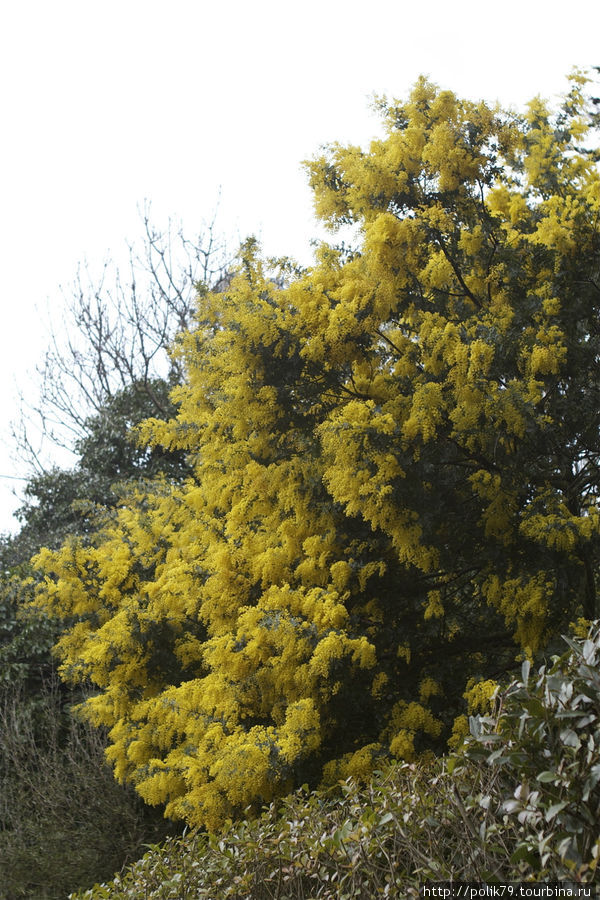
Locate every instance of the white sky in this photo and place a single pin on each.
(106, 105)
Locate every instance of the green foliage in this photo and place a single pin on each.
(381, 840)
(544, 742)
(108, 448)
(395, 473)
(26, 637)
(64, 822)
(59, 502)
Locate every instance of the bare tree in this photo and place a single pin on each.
(116, 332)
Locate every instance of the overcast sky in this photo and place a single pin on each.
(108, 105)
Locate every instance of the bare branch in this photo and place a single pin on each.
(117, 330)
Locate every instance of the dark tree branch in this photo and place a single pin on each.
(116, 332)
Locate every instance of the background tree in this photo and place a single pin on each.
(108, 371)
(115, 333)
(395, 489)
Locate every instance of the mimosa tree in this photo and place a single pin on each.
(395, 472)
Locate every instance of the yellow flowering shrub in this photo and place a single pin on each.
(396, 461)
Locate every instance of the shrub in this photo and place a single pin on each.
(64, 821)
(544, 742)
(383, 839)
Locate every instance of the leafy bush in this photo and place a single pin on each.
(544, 742)
(521, 801)
(64, 821)
(26, 637)
(383, 839)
